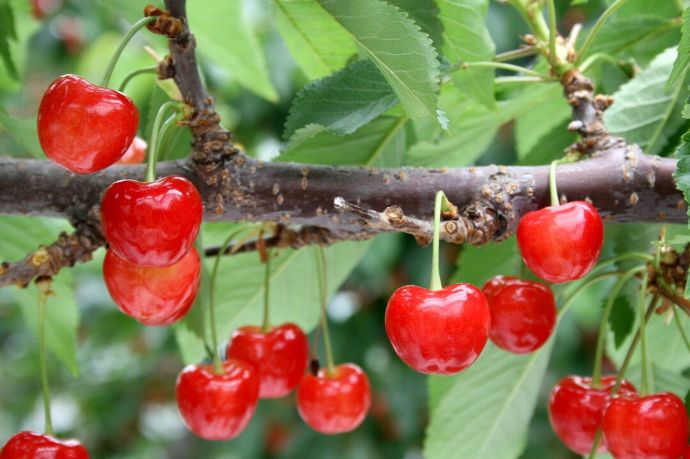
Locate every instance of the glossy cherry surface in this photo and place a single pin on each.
(30, 445)
(136, 152)
(334, 403)
(576, 409)
(280, 356)
(652, 427)
(153, 224)
(523, 313)
(438, 331)
(153, 295)
(562, 243)
(83, 127)
(217, 406)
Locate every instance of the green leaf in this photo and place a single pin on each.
(682, 173)
(316, 41)
(18, 237)
(621, 34)
(532, 127)
(467, 39)
(683, 59)
(342, 102)
(484, 412)
(403, 54)
(22, 131)
(380, 143)
(645, 112)
(664, 380)
(7, 33)
(621, 319)
(225, 37)
(425, 15)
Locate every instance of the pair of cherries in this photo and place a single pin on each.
(655, 426)
(262, 365)
(151, 269)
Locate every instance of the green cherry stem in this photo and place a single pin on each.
(647, 381)
(555, 202)
(118, 52)
(155, 133)
(44, 287)
(143, 71)
(266, 325)
(163, 134)
(435, 283)
(321, 267)
(603, 327)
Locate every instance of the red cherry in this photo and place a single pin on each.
(30, 445)
(334, 403)
(576, 409)
(438, 331)
(43, 8)
(279, 356)
(136, 152)
(562, 243)
(523, 313)
(83, 127)
(687, 453)
(652, 427)
(217, 406)
(153, 295)
(152, 224)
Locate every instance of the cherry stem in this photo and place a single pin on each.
(267, 281)
(647, 381)
(439, 203)
(217, 364)
(321, 266)
(679, 324)
(136, 73)
(603, 327)
(163, 135)
(118, 52)
(44, 291)
(155, 132)
(552, 30)
(621, 374)
(555, 202)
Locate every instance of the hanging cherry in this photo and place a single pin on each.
(30, 445)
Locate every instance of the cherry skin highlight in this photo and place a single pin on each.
(523, 313)
(279, 356)
(217, 406)
(30, 445)
(83, 127)
(149, 294)
(136, 152)
(576, 409)
(334, 403)
(652, 427)
(438, 331)
(151, 224)
(561, 243)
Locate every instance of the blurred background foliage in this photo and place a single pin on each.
(113, 380)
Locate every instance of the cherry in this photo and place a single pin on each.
(42, 8)
(335, 402)
(561, 243)
(687, 453)
(83, 127)
(153, 224)
(279, 356)
(438, 331)
(153, 295)
(523, 313)
(576, 409)
(651, 427)
(217, 406)
(135, 153)
(30, 445)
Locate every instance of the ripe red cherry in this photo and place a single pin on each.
(279, 356)
(561, 243)
(135, 153)
(576, 409)
(152, 224)
(438, 331)
(217, 406)
(687, 453)
(652, 427)
(334, 403)
(83, 127)
(153, 295)
(523, 313)
(30, 445)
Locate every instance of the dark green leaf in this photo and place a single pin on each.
(682, 173)
(621, 34)
(683, 58)
(621, 319)
(342, 102)
(425, 14)
(7, 32)
(686, 400)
